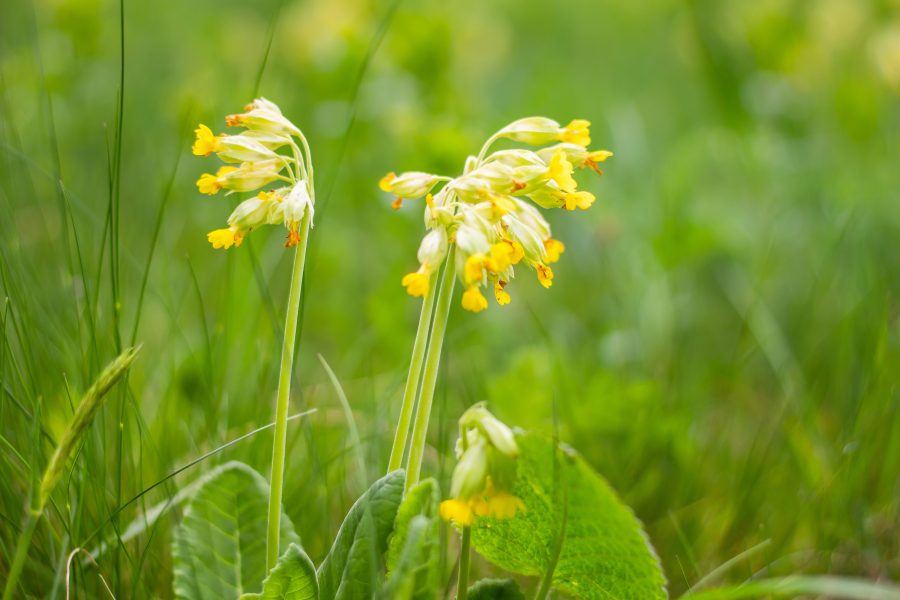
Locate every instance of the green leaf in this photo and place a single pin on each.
(415, 562)
(219, 547)
(293, 578)
(411, 578)
(575, 525)
(495, 589)
(353, 567)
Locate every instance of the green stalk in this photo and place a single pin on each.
(462, 581)
(75, 432)
(412, 379)
(283, 398)
(15, 570)
(432, 363)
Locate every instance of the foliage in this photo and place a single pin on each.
(575, 526)
(219, 547)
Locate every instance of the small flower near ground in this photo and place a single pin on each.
(255, 161)
(490, 212)
(485, 474)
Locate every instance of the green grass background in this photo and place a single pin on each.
(722, 339)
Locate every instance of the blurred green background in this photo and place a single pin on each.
(722, 340)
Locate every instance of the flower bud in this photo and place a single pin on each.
(470, 472)
(264, 116)
(532, 130)
(241, 148)
(296, 202)
(433, 249)
(413, 184)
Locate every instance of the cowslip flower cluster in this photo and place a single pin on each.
(254, 160)
(485, 472)
(489, 211)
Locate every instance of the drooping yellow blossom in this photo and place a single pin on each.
(597, 156)
(561, 171)
(211, 184)
(458, 511)
(500, 294)
(577, 132)
(256, 152)
(473, 300)
(554, 248)
(503, 253)
(474, 269)
(224, 238)
(491, 211)
(485, 472)
(206, 142)
(416, 283)
(385, 182)
(544, 274)
(293, 237)
(582, 200)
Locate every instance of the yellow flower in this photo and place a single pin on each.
(416, 283)
(211, 184)
(518, 251)
(545, 274)
(597, 156)
(385, 182)
(225, 238)
(582, 200)
(458, 511)
(474, 269)
(577, 132)
(473, 300)
(500, 294)
(554, 248)
(206, 143)
(504, 506)
(561, 171)
(293, 237)
(502, 254)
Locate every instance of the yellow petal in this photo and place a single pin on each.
(416, 283)
(554, 248)
(457, 511)
(222, 238)
(472, 299)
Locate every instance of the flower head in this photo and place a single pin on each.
(489, 211)
(255, 162)
(485, 472)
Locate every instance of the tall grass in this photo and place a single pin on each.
(727, 350)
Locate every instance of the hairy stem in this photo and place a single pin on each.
(432, 363)
(284, 391)
(462, 581)
(412, 379)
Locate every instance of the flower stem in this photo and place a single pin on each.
(412, 379)
(283, 398)
(15, 569)
(432, 363)
(462, 581)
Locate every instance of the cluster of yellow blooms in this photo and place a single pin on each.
(486, 211)
(486, 471)
(255, 151)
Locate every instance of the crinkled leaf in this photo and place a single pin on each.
(419, 559)
(410, 578)
(219, 547)
(293, 578)
(604, 552)
(353, 567)
(495, 589)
